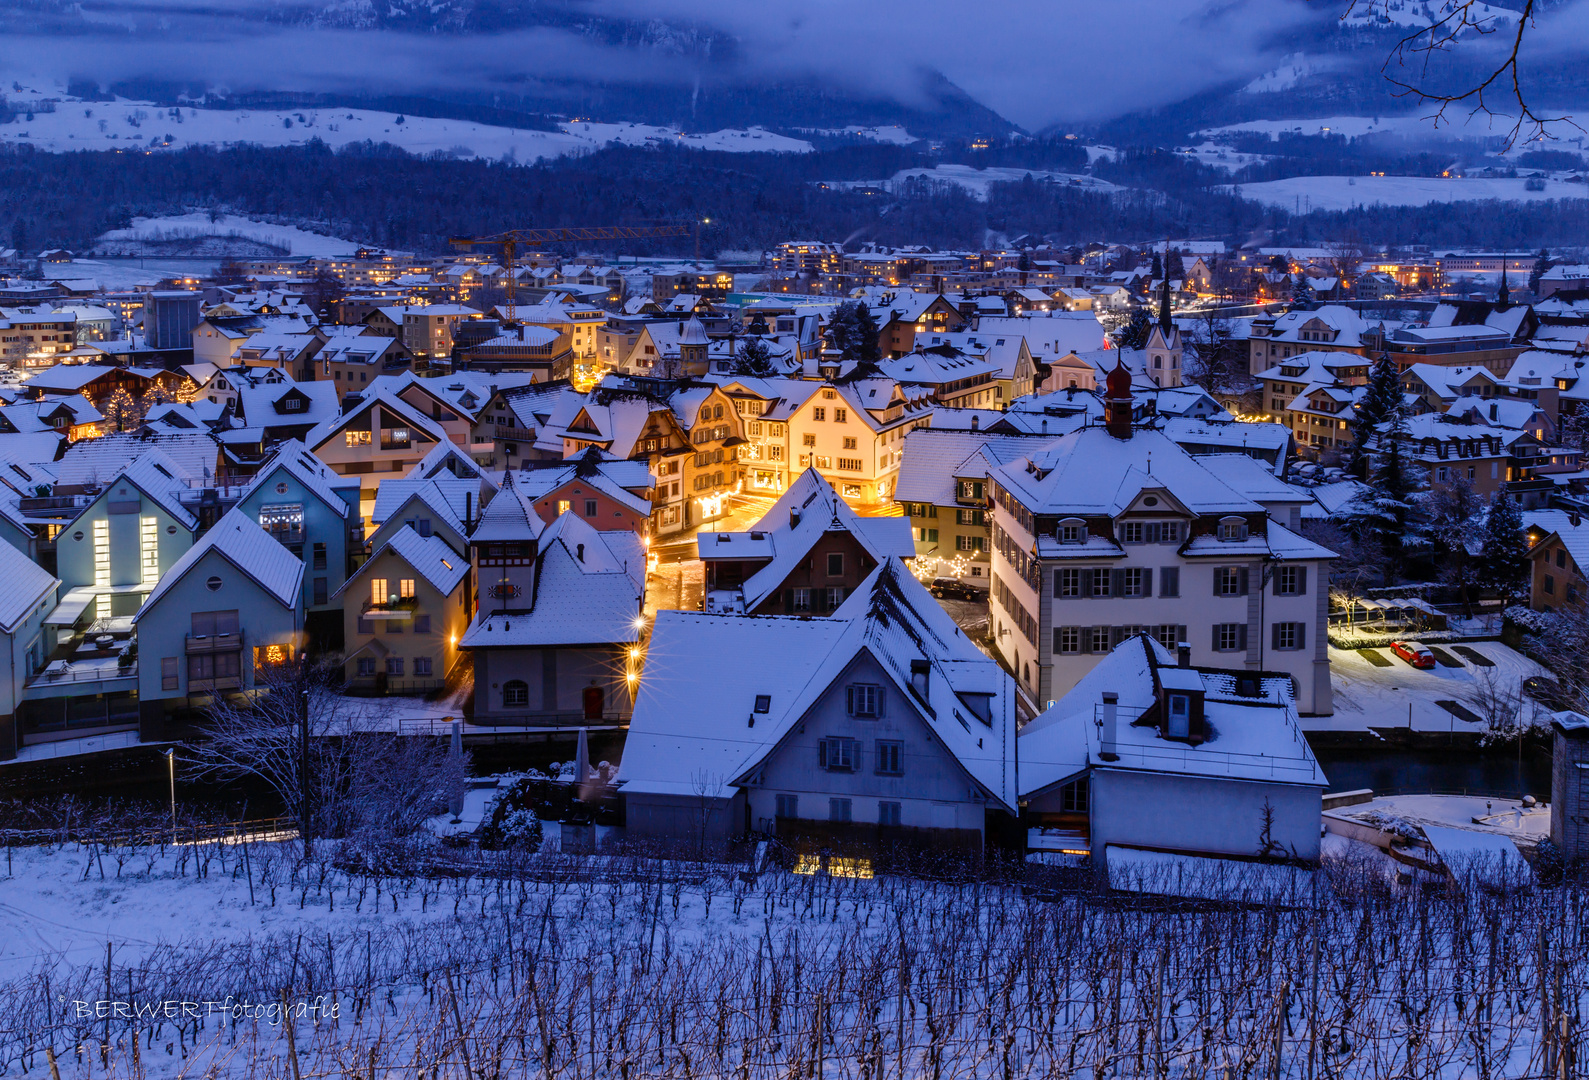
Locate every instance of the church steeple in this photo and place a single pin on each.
(1164, 295)
(1503, 299)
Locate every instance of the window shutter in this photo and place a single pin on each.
(1086, 583)
(1302, 635)
(1219, 572)
(822, 753)
(1214, 640)
(1117, 582)
(1058, 574)
(1147, 583)
(1243, 573)
(1241, 636)
(788, 601)
(849, 700)
(1274, 636)
(1086, 639)
(1180, 636)
(1302, 580)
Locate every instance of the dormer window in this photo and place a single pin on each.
(1179, 714)
(1232, 528)
(1072, 531)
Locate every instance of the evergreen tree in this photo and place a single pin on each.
(1541, 264)
(1174, 266)
(19, 235)
(1387, 512)
(1301, 291)
(853, 331)
(1372, 410)
(1454, 524)
(868, 345)
(754, 360)
(1503, 561)
(844, 327)
(1134, 334)
(1157, 270)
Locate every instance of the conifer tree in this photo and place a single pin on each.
(1503, 561)
(754, 360)
(1541, 264)
(1157, 269)
(1134, 334)
(1370, 411)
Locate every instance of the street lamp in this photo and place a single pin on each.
(171, 771)
(304, 828)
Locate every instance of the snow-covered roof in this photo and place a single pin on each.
(240, 540)
(820, 510)
(27, 585)
(934, 458)
(91, 461)
(430, 557)
(589, 587)
(160, 479)
(1090, 472)
(1253, 737)
(612, 477)
(509, 517)
(447, 497)
(689, 732)
(293, 457)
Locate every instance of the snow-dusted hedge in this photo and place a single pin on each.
(1351, 639)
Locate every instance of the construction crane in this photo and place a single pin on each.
(508, 243)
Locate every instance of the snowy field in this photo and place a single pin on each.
(1367, 696)
(111, 276)
(143, 126)
(1302, 193)
(974, 180)
(1416, 14)
(198, 225)
(1458, 125)
(160, 962)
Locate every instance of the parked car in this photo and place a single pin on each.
(948, 588)
(1548, 692)
(1415, 654)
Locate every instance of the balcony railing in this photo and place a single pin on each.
(214, 643)
(34, 504)
(286, 537)
(222, 682)
(396, 606)
(70, 673)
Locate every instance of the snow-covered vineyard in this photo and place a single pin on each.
(161, 961)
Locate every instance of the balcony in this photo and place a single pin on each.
(402, 607)
(287, 537)
(210, 686)
(44, 504)
(201, 644)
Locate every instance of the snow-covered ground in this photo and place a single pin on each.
(889, 133)
(110, 276)
(974, 180)
(146, 127)
(1292, 70)
(1416, 14)
(198, 225)
(1220, 157)
(1367, 696)
(1457, 125)
(1304, 193)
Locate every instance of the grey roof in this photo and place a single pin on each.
(27, 584)
(508, 517)
(934, 457)
(240, 540)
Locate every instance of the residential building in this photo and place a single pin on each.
(1569, 786)
(1145, 754)
(609, 494)
(404, 609)
(31, 594)
(883, 726)
(428, 330)
(227, 610)
(556, 639)
(804, 557)
(1110, 531)
(379, 436)
(943, 491)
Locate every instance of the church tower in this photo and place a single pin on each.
(1163, 360)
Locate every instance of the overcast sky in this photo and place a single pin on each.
(1036, 62)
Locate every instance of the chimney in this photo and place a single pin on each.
(579, 552)
(976, 422)
(1495, 410)
(1117, 402)
(1183, 655)
(1107, 734)
(794, 516)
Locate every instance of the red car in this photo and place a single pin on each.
(1415, 654)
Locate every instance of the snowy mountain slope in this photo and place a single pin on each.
(198, 225)
(142, 125)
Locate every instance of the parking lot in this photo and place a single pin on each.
(1375, 688)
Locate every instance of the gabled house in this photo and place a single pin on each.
(404, 610)
(555, 639)
(314, 514)
(1557, 559)
(1148, 753)
(129, 535)
(881, 726)
(229, 608)
(609, 494)
(25, 642)
(378, 437)
(444, 507)
(804, 557)
(286, 409)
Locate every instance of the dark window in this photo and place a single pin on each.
(515, 694)
(319, 561)
(590, 507)
(890, 757)
(1180, 709)
(837, 755)
(788, 806)
(1073, 797)
(1067, 582)
(839, 810)
(421, 624)
(168, 673)
(321, 591)
(888, 813)
(835, 563)
(394, 665)
(1291, 580)
(1170, 581)
(763, 703)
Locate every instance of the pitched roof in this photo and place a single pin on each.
(589, 587)
(1254, 738)
(240, 540)
(160, 479)
(448, 497)
(934, 458)
(292, 456)
(684, 739)
(320, 433)
(430, 557)
(1090, 472)
(821, 511)
(508, 517)
(90, 461)
(612, 477)
(27, 583)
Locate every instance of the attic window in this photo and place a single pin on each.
(1232, 528)
(1072, 531)
(161, 469)
(763, 703)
